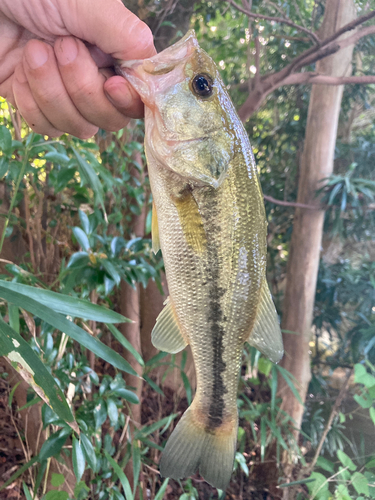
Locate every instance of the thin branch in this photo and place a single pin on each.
(257, 61)
(273, 81)
(317, 79)
(276, 20)
(328, 426)
(290, 203)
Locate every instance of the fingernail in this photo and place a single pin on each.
(20, 74)
(36, 55)
(66, 50)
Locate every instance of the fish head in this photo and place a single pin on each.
(188, 112)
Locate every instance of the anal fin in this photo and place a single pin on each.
(166, 334)
(266, 334)
(155, 230)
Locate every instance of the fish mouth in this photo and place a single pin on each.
(167, 68)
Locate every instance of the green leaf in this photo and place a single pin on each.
(4, 165)
(53, 445)
(111, 270)
(319, 485)
(372, 414)
(84, 221)
(65, 304)
(14, 317)
(89, 176)
(88, 451)
(361, 376)
(125, 342)
(56, 495)
(325, 464)
(364, 400)
(294, 483)
(78, 259)
(163, 488)
(360, 484)
(58, 158)
(112, 411)
(120, 474)
(370, 464)
(78, 459)
(5, 140)
(288, 377)
(26, 491)
(187, 386)
(262, 439)
(153, 385)
(19, 472)
(30, 367)
(57, 479)
(136, 458)
(138, 434)
(82, 238)
(126, 394)
(346, 461)
(69, 328)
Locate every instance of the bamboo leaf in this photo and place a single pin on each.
(120, 474)
(29, 366)
(69, 328)
(19, 472)
(64, 304)
(125, 342)
(162, 490)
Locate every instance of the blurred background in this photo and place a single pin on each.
(76, 219)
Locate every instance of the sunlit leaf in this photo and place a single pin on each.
(69, 328)
(29, 366)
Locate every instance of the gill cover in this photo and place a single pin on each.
(183, 92)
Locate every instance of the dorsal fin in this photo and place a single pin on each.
(266, 334)
(166, 334)
(155, 230)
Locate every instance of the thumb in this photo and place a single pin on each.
(109, 25)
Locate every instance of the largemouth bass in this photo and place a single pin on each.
(210, 223)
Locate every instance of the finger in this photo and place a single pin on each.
(84, 84)
(49, 92)
(27, 106)
(116, 31)
(124, 97)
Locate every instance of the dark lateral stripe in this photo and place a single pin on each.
(215, 317)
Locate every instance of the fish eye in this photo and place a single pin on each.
(202, 85)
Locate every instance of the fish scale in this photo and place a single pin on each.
(210, 223)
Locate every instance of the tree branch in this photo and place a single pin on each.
(281, 20)
(317, 79)
(328, 426)
(270, 82)
(290, 203)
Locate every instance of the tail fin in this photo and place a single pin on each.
(192, 446)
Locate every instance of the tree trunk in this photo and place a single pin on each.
(316, 164)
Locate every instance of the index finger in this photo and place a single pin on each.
(109, 25)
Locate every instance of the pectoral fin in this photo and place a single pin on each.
(166, 334)
(191, 221)
(155, 230)
(266, 334)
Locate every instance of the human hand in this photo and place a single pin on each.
(60, 84)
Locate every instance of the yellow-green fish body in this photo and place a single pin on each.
(210, 223)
